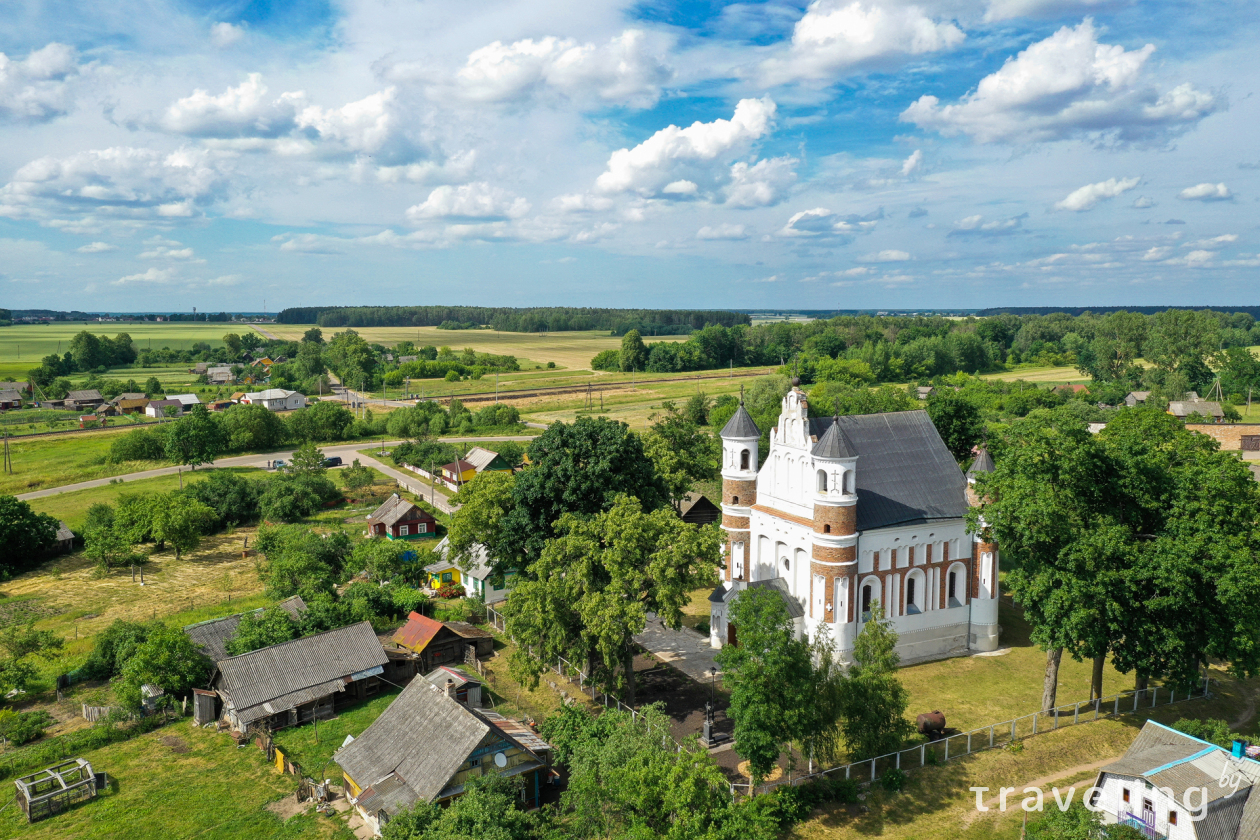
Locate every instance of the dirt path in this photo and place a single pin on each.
(994, 801)
(1237, 724)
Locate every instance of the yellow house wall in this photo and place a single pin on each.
(514, 755)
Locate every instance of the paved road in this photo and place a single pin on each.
(265, 333)
(685, 649)
(347, 452)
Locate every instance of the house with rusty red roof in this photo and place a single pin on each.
(434, 642)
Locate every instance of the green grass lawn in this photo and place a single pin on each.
(180, 781)
(312, 745)
(23, 345)
(55, 460)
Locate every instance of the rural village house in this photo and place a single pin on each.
(10, 398)
(275, 399)
(80, 400)
(186, 400)
(296, 682)
(164, 408)
(458, 472)
(426, 746)
(434, 642)
(696, 509)
(1181, 409)
(467, 687)
(473, 574)
(1146, 788)
(212, 636)
(1137, 398)
(485, 460)
(399, 519)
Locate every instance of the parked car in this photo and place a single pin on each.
(332, 461)
(277, 465)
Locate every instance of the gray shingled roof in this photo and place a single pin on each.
(274, 679)
(394, 509)
(982, 464)
(741, 425)
(421, 740)
(85, 396)
(212, 636)
(904, 472)
(833, 444)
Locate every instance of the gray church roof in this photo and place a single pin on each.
(832, 444)
(983, 463)
(905, 473)
(741, 425)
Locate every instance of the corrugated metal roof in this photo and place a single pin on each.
(476, 564)
(282, 676)
(212, 636)
(439, 675)
(905, 473)
(417, 632)
(517, 731)
(740, 425)
(82, 396)
(480, 457)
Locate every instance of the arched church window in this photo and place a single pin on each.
(910, 592)
(953, 578)
(787, 564)
(822, 481)
(826, 528)
(866, 602)
(734, 500)
(743, 460)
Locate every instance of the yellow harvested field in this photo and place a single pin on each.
(566, 349)
(209, 574)
(1057, 375)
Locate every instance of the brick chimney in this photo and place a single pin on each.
(450, 689)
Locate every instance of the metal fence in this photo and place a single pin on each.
(997, 735)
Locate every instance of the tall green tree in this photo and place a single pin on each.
(873, 699)
(681, 451)
(781, 689)
(957, 419)
(169, 659)
(261, 629)
(108, 547)
(19, 646)
(195, 438)
(181, 520)
(589, 592)
(487, 810)
(307, 460)
(634, 352)
(25, 534)
(579, 468)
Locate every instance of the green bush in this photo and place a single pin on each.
(893, 779)
(844, 791)
(407, 600)
(22, 727)
(137, 445)
(114, 646)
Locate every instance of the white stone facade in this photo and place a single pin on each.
(936, 582)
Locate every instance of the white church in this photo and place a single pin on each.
(851, 511)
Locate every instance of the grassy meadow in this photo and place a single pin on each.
(54, 460)
(23, 345)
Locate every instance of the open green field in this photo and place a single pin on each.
(180, 781)
(566, 349)
(23, 345)
(55, 460)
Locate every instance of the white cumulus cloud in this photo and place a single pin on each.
(1068, 85)
(96, 248)
(630, 69)
(152, 275)
(885, 256)
(978, 226)
(726, 230)
(1088, 196)
(39, 87)
(1142, 202)
(835, 36)
(478, 200)
(822, 222)
(1206, 192)
(674, 153)
(1006, 9)
(912, 164)
(224, 34)
(242, 111)
(762, 184)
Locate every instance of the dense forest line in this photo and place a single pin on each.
(508, 319)
(1183, 350)
(1253, 311)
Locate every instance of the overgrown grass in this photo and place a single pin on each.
(55, 460)
(211, 790)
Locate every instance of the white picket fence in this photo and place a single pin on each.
(997, 735)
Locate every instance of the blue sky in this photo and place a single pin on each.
(833, 154)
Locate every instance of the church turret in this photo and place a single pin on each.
(740, 438)
(834, 543)
(984, 574)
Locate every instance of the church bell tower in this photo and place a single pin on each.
(740, 437)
